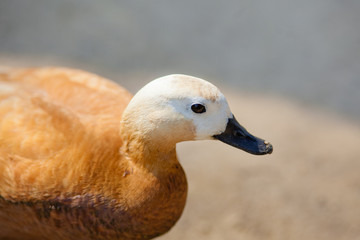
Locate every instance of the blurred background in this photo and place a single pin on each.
(290, 71)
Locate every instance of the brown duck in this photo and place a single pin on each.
(81, 159)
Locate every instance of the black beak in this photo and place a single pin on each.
(237, 136)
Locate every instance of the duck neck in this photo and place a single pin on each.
(147, 153)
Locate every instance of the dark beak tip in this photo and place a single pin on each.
(268, 148)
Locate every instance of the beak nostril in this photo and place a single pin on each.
(251, 138)
(238, 133)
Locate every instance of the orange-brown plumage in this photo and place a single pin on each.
(78, 160)
(60, 160)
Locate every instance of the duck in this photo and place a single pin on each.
(82, 158)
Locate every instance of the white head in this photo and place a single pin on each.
(177, 108)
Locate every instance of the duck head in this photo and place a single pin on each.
(179, 108)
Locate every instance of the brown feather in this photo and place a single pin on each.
(62, 175)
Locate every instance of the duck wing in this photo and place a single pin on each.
(50, 117)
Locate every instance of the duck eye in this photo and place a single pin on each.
(198, 108)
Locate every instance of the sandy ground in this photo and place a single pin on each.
(309, 188)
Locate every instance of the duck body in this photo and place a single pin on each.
(81, 158)
(62, 175)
